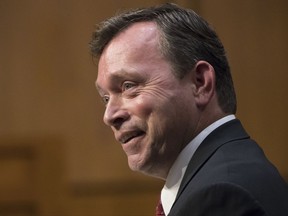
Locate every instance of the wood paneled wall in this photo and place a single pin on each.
(255, 36)
(47, 91)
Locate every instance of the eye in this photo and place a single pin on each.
(127, 85)
(105, 99)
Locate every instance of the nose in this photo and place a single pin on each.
(115, 114)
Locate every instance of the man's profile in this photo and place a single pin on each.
(165, 80)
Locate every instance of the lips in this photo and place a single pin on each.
(127, 136)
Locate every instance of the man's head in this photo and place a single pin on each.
(164, 77)
(185, 39)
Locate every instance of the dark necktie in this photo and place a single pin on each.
(159, 209)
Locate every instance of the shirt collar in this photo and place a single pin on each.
(177, 171)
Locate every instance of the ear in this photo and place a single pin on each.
(204, 80)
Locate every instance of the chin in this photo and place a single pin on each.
(145, 168)
(135, 164)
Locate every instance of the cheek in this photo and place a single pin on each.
(156, 114)
(142, 107)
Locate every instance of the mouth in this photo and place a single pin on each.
(128, 136)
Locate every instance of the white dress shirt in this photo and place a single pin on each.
(176, 173)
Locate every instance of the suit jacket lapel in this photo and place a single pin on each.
(227, 132)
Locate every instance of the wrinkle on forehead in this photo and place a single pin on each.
(138, 34)
(137, 44)
(142, 36)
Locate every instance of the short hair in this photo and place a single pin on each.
(185, 39)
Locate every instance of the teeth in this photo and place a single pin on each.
(129, 136)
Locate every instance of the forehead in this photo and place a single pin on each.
(139, 38)
(138, 35)
(135, 47)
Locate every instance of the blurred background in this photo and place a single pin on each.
(56, 156)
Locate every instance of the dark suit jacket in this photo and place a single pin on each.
(229, 175)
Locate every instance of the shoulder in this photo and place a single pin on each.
(218, 199)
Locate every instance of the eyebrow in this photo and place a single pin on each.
(99, 89)
(114, 77)
(118, 76)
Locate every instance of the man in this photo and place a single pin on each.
(166, 83)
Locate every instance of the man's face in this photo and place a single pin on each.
(147, 107)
